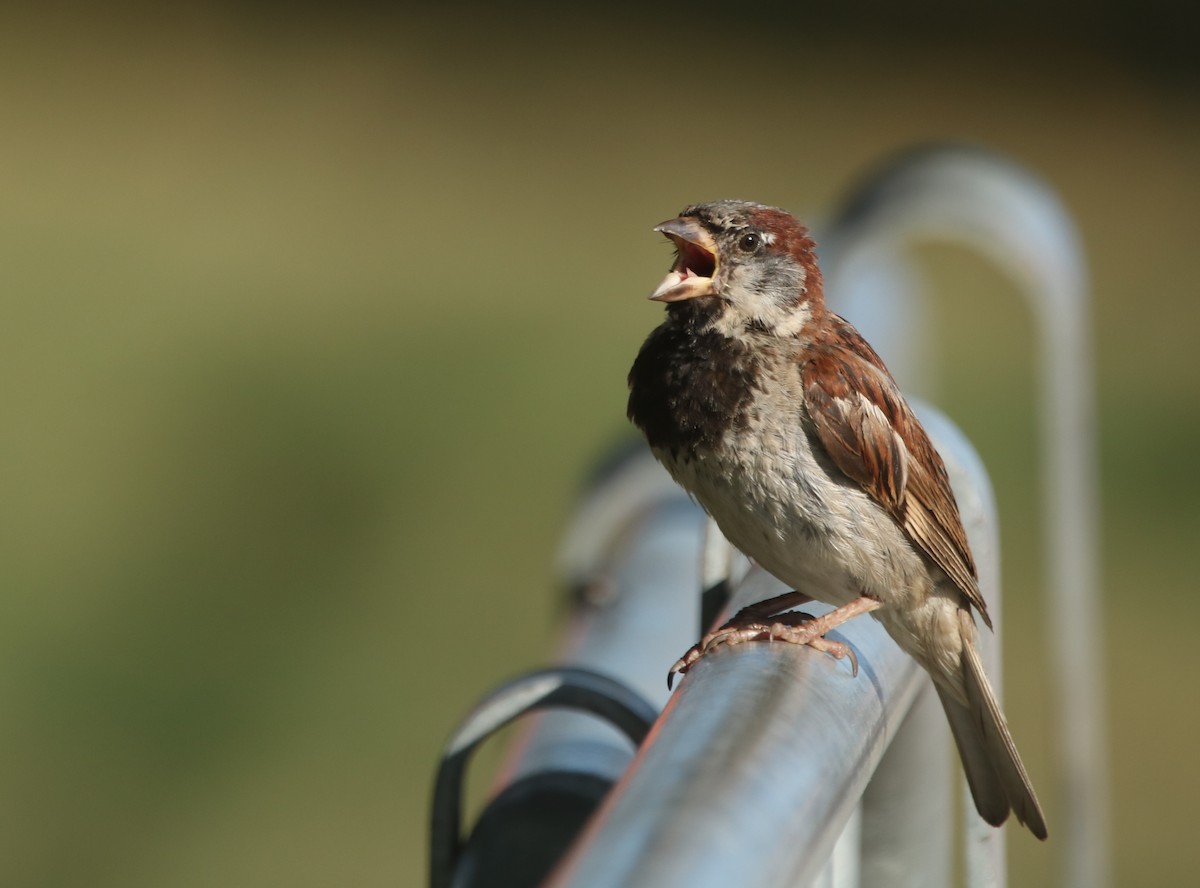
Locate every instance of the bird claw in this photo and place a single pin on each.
(789, 627)
(678, 669)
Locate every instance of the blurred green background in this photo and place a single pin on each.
(313, 320)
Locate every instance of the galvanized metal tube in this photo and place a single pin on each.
(635, 552)
(908, 807)
(632, 554)
(984, 855)
(646, 619)
(973, 197)
(757, 764)
(754, 767)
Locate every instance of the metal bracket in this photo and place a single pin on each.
(566, 688)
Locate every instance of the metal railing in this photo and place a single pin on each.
(759, 766)
(771, 765)
(1001, 211)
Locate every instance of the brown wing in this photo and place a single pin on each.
(873, 436)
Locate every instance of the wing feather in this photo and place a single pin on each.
(872, 435)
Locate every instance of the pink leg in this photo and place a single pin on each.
(753, 613)
(753, 623)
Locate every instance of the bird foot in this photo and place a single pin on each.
(793, 628)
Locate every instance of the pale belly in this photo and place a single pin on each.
(823, 536)
(817, 534)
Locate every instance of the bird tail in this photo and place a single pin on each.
(994, 771)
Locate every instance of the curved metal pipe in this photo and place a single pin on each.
(757, 765)
(989, 204)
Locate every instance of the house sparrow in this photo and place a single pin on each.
(780, 419)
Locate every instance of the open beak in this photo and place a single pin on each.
(694, 268)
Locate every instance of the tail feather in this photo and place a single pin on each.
(993, 767)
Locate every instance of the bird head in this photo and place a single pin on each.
(753, 267)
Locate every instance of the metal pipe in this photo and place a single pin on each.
(748, 774)
(756, 766)
(633, 555)
(908, 807)
(984, 847)
(976, 198)
(546, 809)
(752, 770)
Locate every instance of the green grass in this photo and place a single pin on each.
(310, 334)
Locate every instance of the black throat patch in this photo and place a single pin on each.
(689, 385)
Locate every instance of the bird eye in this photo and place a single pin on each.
(749, 242)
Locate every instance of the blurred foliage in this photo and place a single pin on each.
(313, 322)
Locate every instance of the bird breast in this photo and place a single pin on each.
(776, 496)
